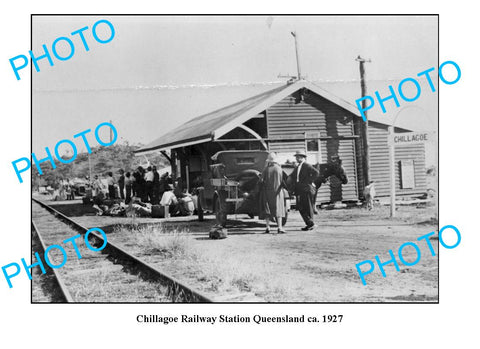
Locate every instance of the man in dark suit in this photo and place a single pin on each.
(303, 177)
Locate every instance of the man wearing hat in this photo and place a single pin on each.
(303, 177)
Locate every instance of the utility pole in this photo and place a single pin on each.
(89, 168)
(111, 132)
(364, 125)
(299, 72)
(292, 78)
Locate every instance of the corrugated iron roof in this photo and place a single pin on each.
(204, 126)
(217, 123)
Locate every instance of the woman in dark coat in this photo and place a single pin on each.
(272, 198)
(156, 186)
(140, 183)
(129, 184)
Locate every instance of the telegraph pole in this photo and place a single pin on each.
(299, 76)
(364, 125)
(111, 132)
(89, 168)
(299, 72)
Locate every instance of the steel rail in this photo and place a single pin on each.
(178, 291)
(67, 297)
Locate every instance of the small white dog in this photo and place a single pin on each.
(369, 194)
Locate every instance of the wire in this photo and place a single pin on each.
(202, 86)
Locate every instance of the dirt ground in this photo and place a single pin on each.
(314, 266)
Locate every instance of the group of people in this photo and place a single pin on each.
(66, 190)
(145, 184)
(145, 187)
(301, 182)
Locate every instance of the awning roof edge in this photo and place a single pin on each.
(145, 151)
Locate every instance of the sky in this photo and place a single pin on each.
(160, 71)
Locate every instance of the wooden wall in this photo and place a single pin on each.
(379, 162)
(287, 123)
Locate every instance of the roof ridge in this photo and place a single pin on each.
(235, 104)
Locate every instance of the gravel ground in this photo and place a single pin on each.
(314, 266)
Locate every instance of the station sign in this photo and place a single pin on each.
(405, 138)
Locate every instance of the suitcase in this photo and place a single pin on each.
(158, 211)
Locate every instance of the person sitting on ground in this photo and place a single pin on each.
(99, 203)
(185, 205)
(169, 199)
(137, 208)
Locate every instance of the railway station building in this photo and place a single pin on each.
(296, 116)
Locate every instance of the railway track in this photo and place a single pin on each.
(112, 275)
(47, 288)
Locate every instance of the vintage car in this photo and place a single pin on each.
(79, 186)
(232, 185)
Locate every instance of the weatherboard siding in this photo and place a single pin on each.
(379, 163)
(289, 119)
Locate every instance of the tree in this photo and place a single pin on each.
(102, 159)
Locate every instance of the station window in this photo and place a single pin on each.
(312, 145)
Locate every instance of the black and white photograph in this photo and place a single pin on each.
(238, 175)
(235, 159)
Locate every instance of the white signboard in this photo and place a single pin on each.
(407, 171)
(410, 137)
